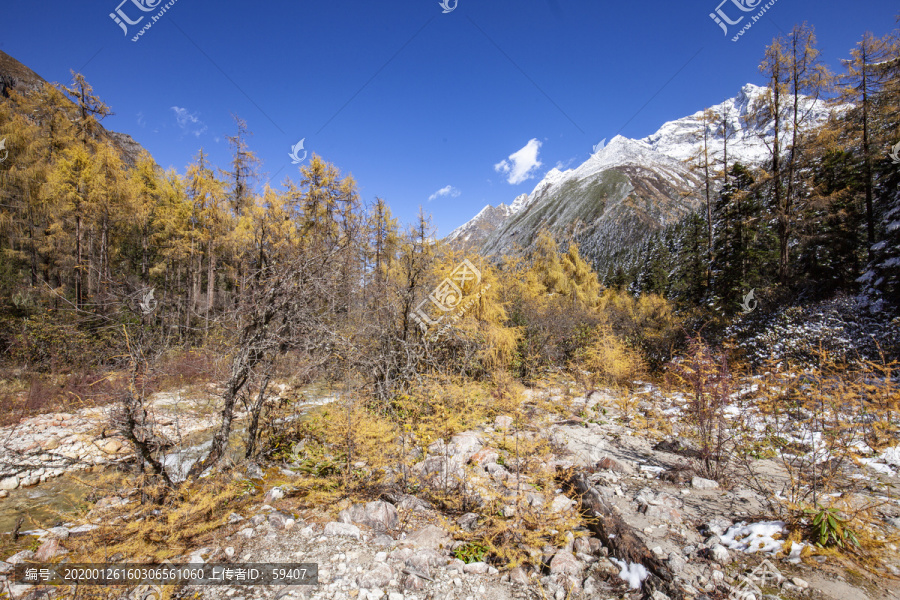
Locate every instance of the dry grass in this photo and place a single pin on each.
(37, 394)
(153, 532)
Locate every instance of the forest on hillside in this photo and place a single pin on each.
(820, 218)
(100, 249)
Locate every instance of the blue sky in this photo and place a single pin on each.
(423, 108)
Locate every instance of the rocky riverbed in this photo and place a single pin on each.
(714, 538)
(46, 446)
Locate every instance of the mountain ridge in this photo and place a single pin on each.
(16, 76)
(657, 167)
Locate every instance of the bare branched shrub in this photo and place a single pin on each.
(704, 375)
(815, 422)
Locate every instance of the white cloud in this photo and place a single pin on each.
(445, 191)
(521, 164)
(189, 123)
(140, 119)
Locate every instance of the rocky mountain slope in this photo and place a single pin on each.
(14, 76)
(627, 188)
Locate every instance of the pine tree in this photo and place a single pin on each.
(864, 79)
(793, 67)
(73, 182)
(739, 246)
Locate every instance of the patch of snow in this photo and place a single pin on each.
(652, 469)
(796, 549)
(882, 468)
(891, 456)
(633, 573)
(753, 538)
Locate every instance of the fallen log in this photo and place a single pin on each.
(621, 539)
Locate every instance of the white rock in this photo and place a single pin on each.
(476, 567)
(503, 422)
(20, 557)
(719, 553)
(565, 563)
(800, 583)
(276, 493)
(703, 484)
(342, 529)
(560, 504)
(9, 483)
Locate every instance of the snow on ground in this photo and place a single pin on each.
(633, 573)
(756, 537)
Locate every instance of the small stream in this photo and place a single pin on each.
(62, 499)
(54, 502)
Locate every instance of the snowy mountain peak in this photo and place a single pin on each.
(518, 204)
(553, 176)
(667, 154)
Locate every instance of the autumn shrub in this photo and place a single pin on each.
(817, 421)
(817, 424)
(704, 375)
(179, 367)
(517, 520)
(647, 323)
(46, 344)
(339, 449)
(178, 523)
(606, 359)
(36, 393)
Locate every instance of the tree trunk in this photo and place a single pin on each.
(240, 371)
(867, 159)
(210, 285)
(79, 299)
(253, 429)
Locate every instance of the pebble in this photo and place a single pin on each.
(719, 553)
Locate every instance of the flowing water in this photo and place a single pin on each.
(52, 503)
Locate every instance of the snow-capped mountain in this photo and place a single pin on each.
(473, 232)
(683, 138)
(629, 187)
